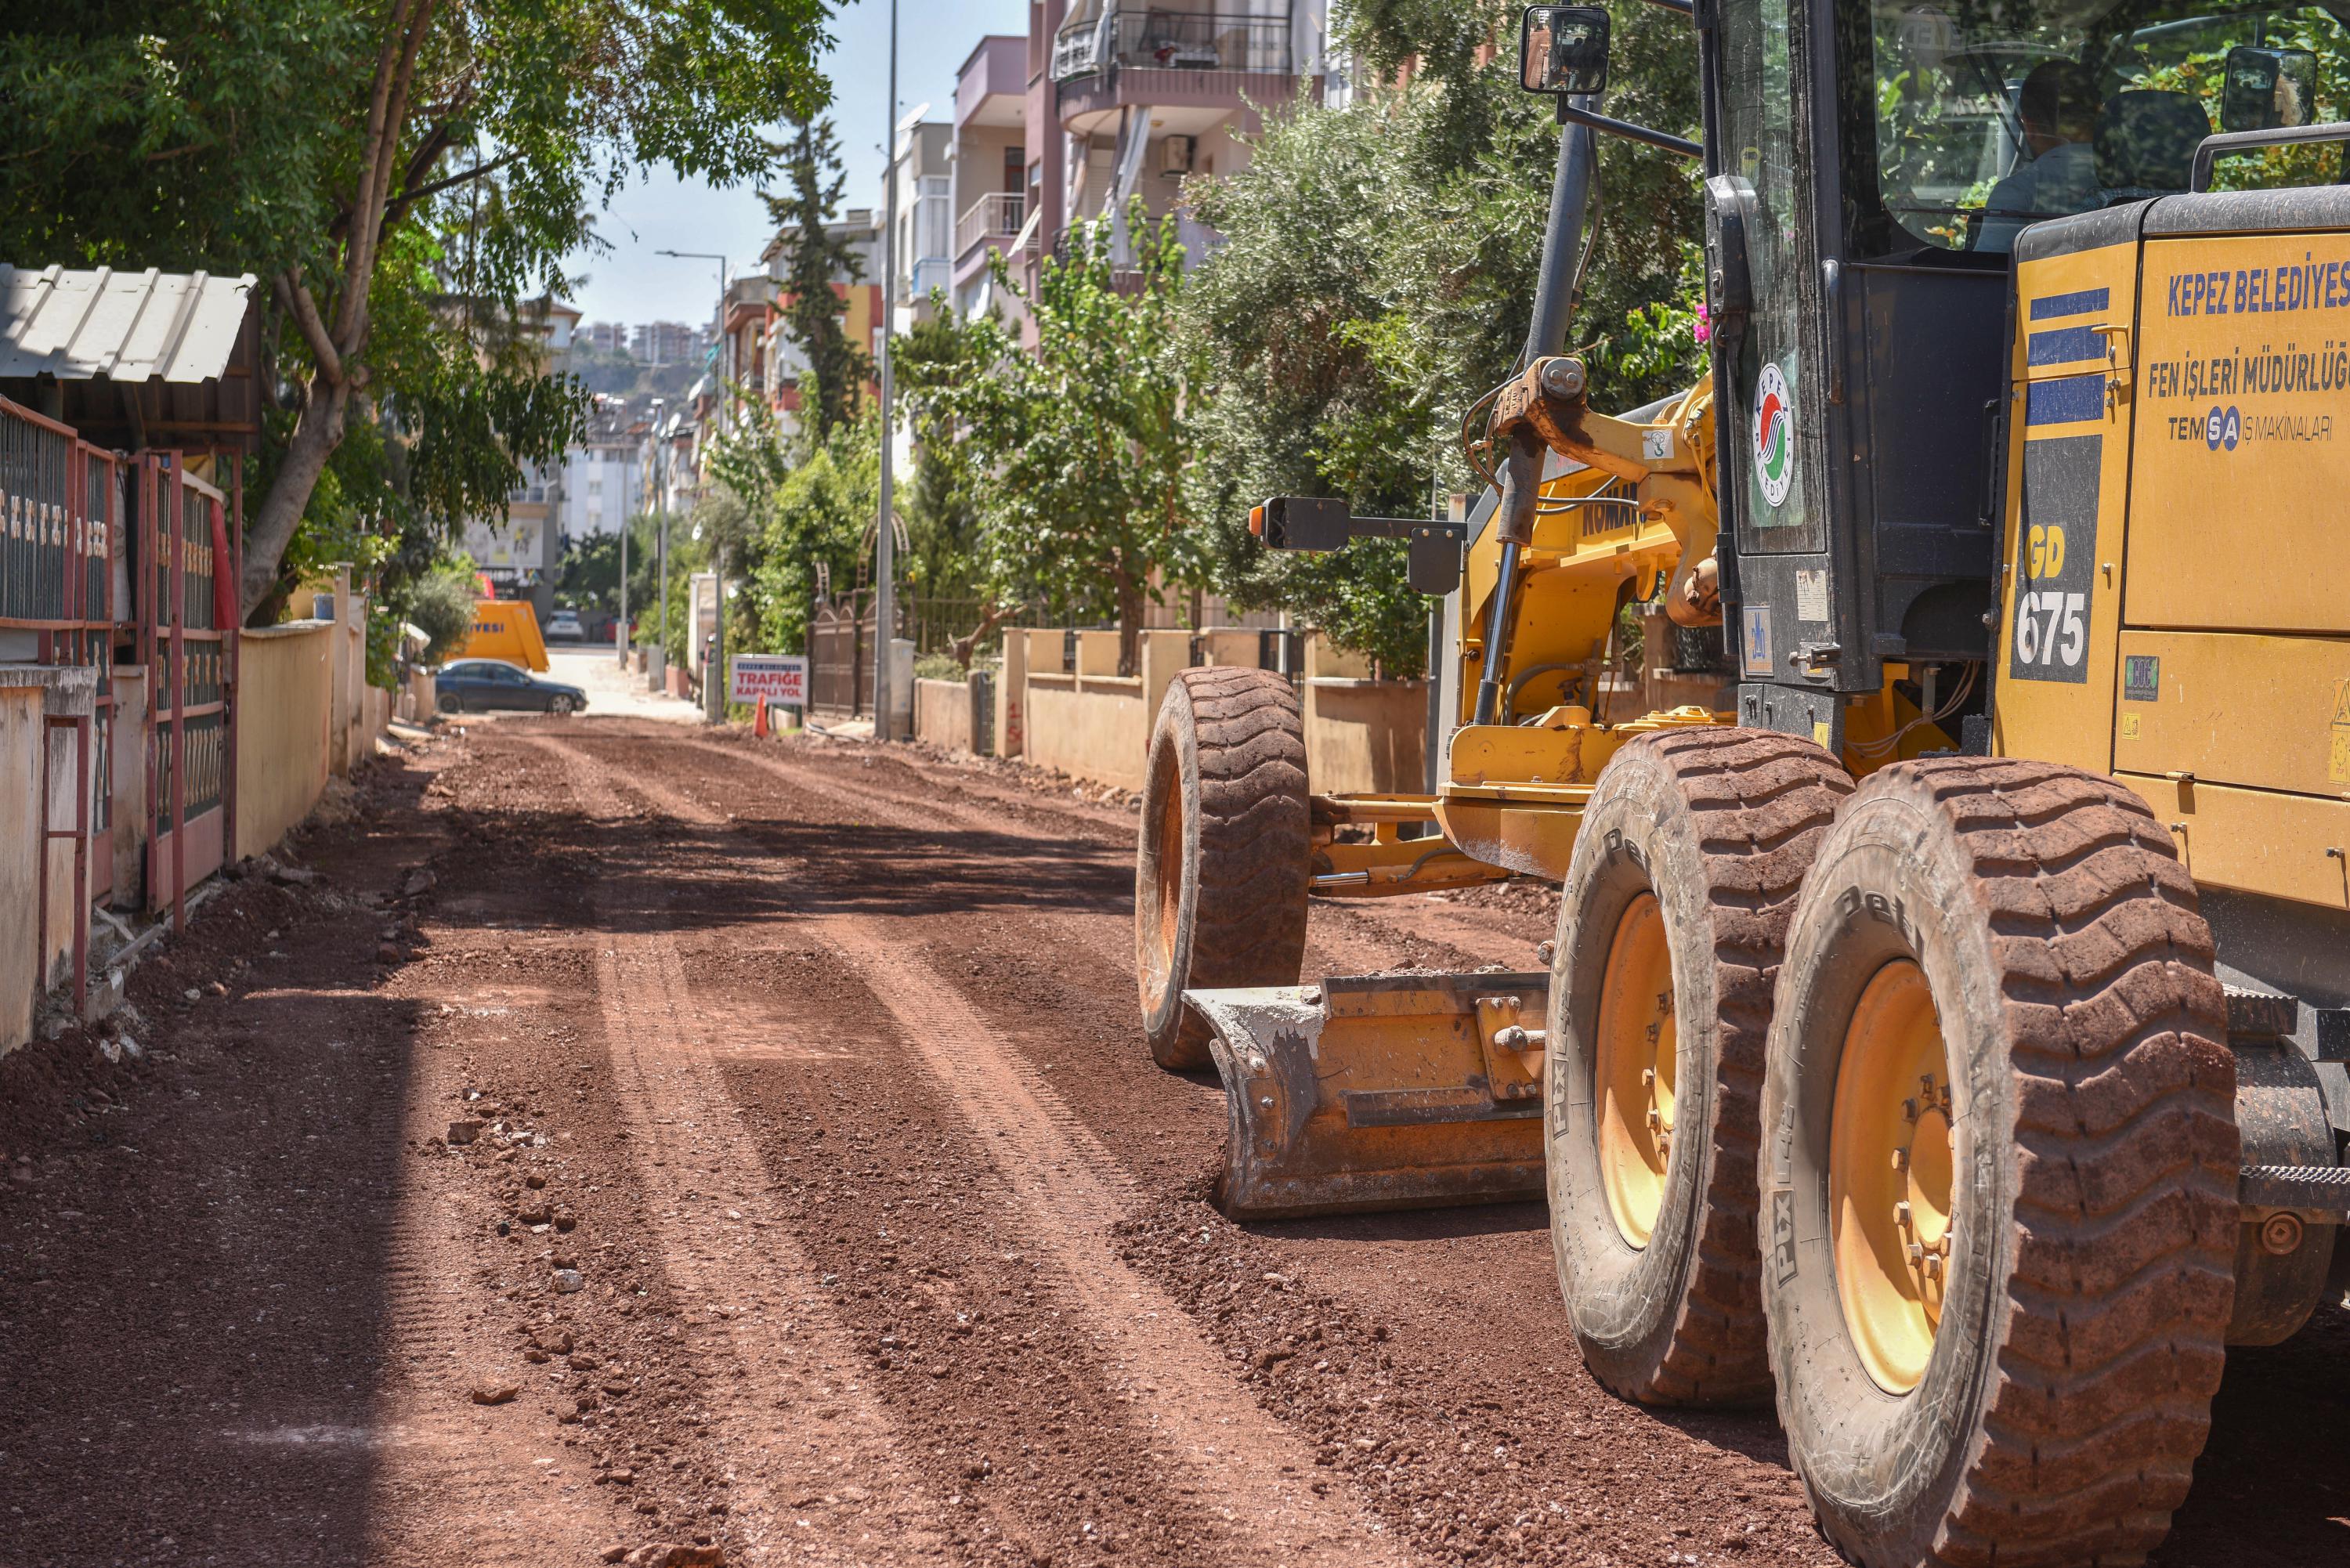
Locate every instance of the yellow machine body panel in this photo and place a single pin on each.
(2067, 487)
(507, 630)
(2172, 611)
(2237, 708)
(2242, 456)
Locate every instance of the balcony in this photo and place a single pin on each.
(996, 215)
(1154, 39)
(928, 273)
(1183, 60)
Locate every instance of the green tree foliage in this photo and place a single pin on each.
(589, 577)
(817, 255)
(1342, 366)
(440, 606)
(792, 516)
(402, 174)
(941, 501)
(1083, 441)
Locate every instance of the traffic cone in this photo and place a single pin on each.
(759, 720)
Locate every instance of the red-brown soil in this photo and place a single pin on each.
(890, 1240)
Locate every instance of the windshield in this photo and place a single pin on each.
(1974, 117)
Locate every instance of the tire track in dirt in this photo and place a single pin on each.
(794, 1418)
(1341, 939)
(1249, 1472)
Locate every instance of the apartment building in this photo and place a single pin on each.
(782, 363)
(990, 173)
(599, 486)
(923, 170)
(668, 342)
(1103, 102)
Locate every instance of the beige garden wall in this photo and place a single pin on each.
(1094, 723)
(1361, 735)
(284, 719)
(942, 713)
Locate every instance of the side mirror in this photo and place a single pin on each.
(1563, 49)
(2267, 90)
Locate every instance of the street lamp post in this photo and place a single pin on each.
(621, 632)
(661, 538)
(886, 599)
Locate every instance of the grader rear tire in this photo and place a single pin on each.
(1221, 872)
(1685, 871)
(1999, 1198)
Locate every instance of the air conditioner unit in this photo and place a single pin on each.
(1175, 155)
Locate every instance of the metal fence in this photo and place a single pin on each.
(188, 530)
(61, 508)
(59, 497)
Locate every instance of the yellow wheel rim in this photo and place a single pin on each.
(1159, 967)
(1889, 1166)
(1634, 1070)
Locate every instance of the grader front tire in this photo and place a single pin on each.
(1999, 1191)
(1221, 872)
(1685, 871)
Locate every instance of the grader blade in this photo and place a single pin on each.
(1376, 1092)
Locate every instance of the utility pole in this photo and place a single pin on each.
(621, 632)
(661, 511)
(885, 597)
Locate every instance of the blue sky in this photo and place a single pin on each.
(632, 284)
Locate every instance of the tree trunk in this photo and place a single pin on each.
(965, 647)
(316, 435)
(1129, 625)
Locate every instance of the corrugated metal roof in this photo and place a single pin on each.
(118, 326)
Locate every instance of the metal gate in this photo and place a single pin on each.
(187, 615)
(840, 659)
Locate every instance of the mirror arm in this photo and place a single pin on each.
(1570, 115)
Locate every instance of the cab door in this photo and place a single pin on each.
(1762, 201)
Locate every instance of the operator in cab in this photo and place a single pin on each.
(2057, 109)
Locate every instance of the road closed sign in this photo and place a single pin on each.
(780, 678)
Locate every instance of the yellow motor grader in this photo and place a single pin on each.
(1946, 1036)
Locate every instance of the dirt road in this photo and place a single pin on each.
(751, 1145)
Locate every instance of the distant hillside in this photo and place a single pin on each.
(616, 375)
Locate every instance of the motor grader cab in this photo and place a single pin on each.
(1945, 1036)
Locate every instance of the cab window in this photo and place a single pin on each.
(1969, 120)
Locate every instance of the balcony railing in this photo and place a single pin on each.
(997, 213)
(1153, 39)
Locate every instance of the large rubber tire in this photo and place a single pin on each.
(2058, 1403)
(1706, 833)
(1221, 877)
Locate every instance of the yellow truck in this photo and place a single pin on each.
(1945, 1039)
(507, 630)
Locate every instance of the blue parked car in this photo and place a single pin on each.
(492, 685)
